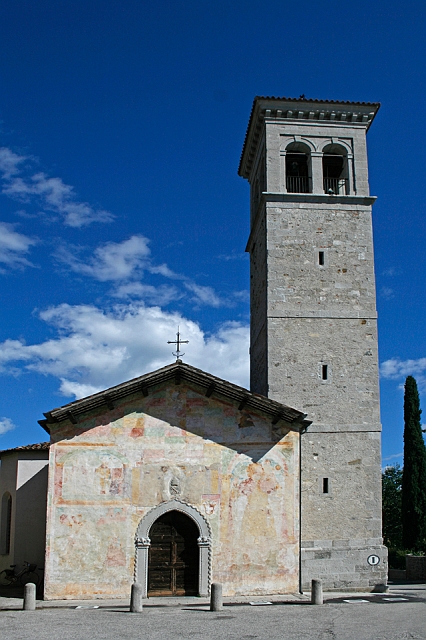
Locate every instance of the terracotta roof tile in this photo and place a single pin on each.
(40, 446)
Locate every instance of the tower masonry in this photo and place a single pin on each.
(314, 321)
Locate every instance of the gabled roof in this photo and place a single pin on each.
(177, 372)
(40, 446)
(333, 111)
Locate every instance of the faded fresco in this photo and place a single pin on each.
(112, 468)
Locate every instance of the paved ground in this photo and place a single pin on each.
(397, 615)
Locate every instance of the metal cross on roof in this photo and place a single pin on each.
(177, 342)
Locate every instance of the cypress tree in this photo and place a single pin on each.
(391, 507)
(414, 473)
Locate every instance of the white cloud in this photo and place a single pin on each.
(6, 425)
(387, 293)
(52, 194)
(233, 256)
(390, 271)
(13, 247)
(393, 456)
(396, 369)
(96, 349)
(111, 261)
(161, 295)
(203, 295)
(124, 263)
(242, 296)
(163, 270)
(9, 162)
(70, 388)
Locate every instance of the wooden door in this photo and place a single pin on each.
(173, 556)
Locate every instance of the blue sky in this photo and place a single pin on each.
(121, 211)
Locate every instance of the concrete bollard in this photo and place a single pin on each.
(216, 600)
(29, 597)
(316, 592)
(136, 598)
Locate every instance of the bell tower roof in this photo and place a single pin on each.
(331, 112)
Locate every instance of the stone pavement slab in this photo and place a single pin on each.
(414, 590)
(187, 601)
(286, 620)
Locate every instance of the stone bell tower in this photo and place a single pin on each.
(314, 321)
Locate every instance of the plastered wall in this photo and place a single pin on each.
(23, 475)
(112, 468)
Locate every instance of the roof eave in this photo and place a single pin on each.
(180, 372)
(39, 446)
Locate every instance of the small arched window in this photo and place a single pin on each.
(335, 170)
(298, 168)
(5, 523)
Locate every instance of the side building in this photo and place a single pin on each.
(314, 321)
(23, 494)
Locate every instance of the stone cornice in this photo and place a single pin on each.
(347, 428)
(319, 198)
(368, 313)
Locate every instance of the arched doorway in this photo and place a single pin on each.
(173, 559)
(163, 532)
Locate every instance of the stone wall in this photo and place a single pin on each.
(321, 338)
(343, 565)
(297, 349)
(297, 284)
(258, 313)
(348, 514)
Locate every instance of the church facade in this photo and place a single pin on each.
(173, 479)
(179, 478)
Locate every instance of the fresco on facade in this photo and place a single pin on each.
(109, 470)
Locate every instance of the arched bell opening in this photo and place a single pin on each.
(298, 168)
(335, 170)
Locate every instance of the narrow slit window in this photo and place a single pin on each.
(321, 258)
(6, 524)
(324, 371)
(325, 487)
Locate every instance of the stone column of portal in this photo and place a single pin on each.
(204, 565)
(316, 167)
(142, 548)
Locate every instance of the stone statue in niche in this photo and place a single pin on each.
(174, 487)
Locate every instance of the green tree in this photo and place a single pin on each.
(414, 472)
(392, 506)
